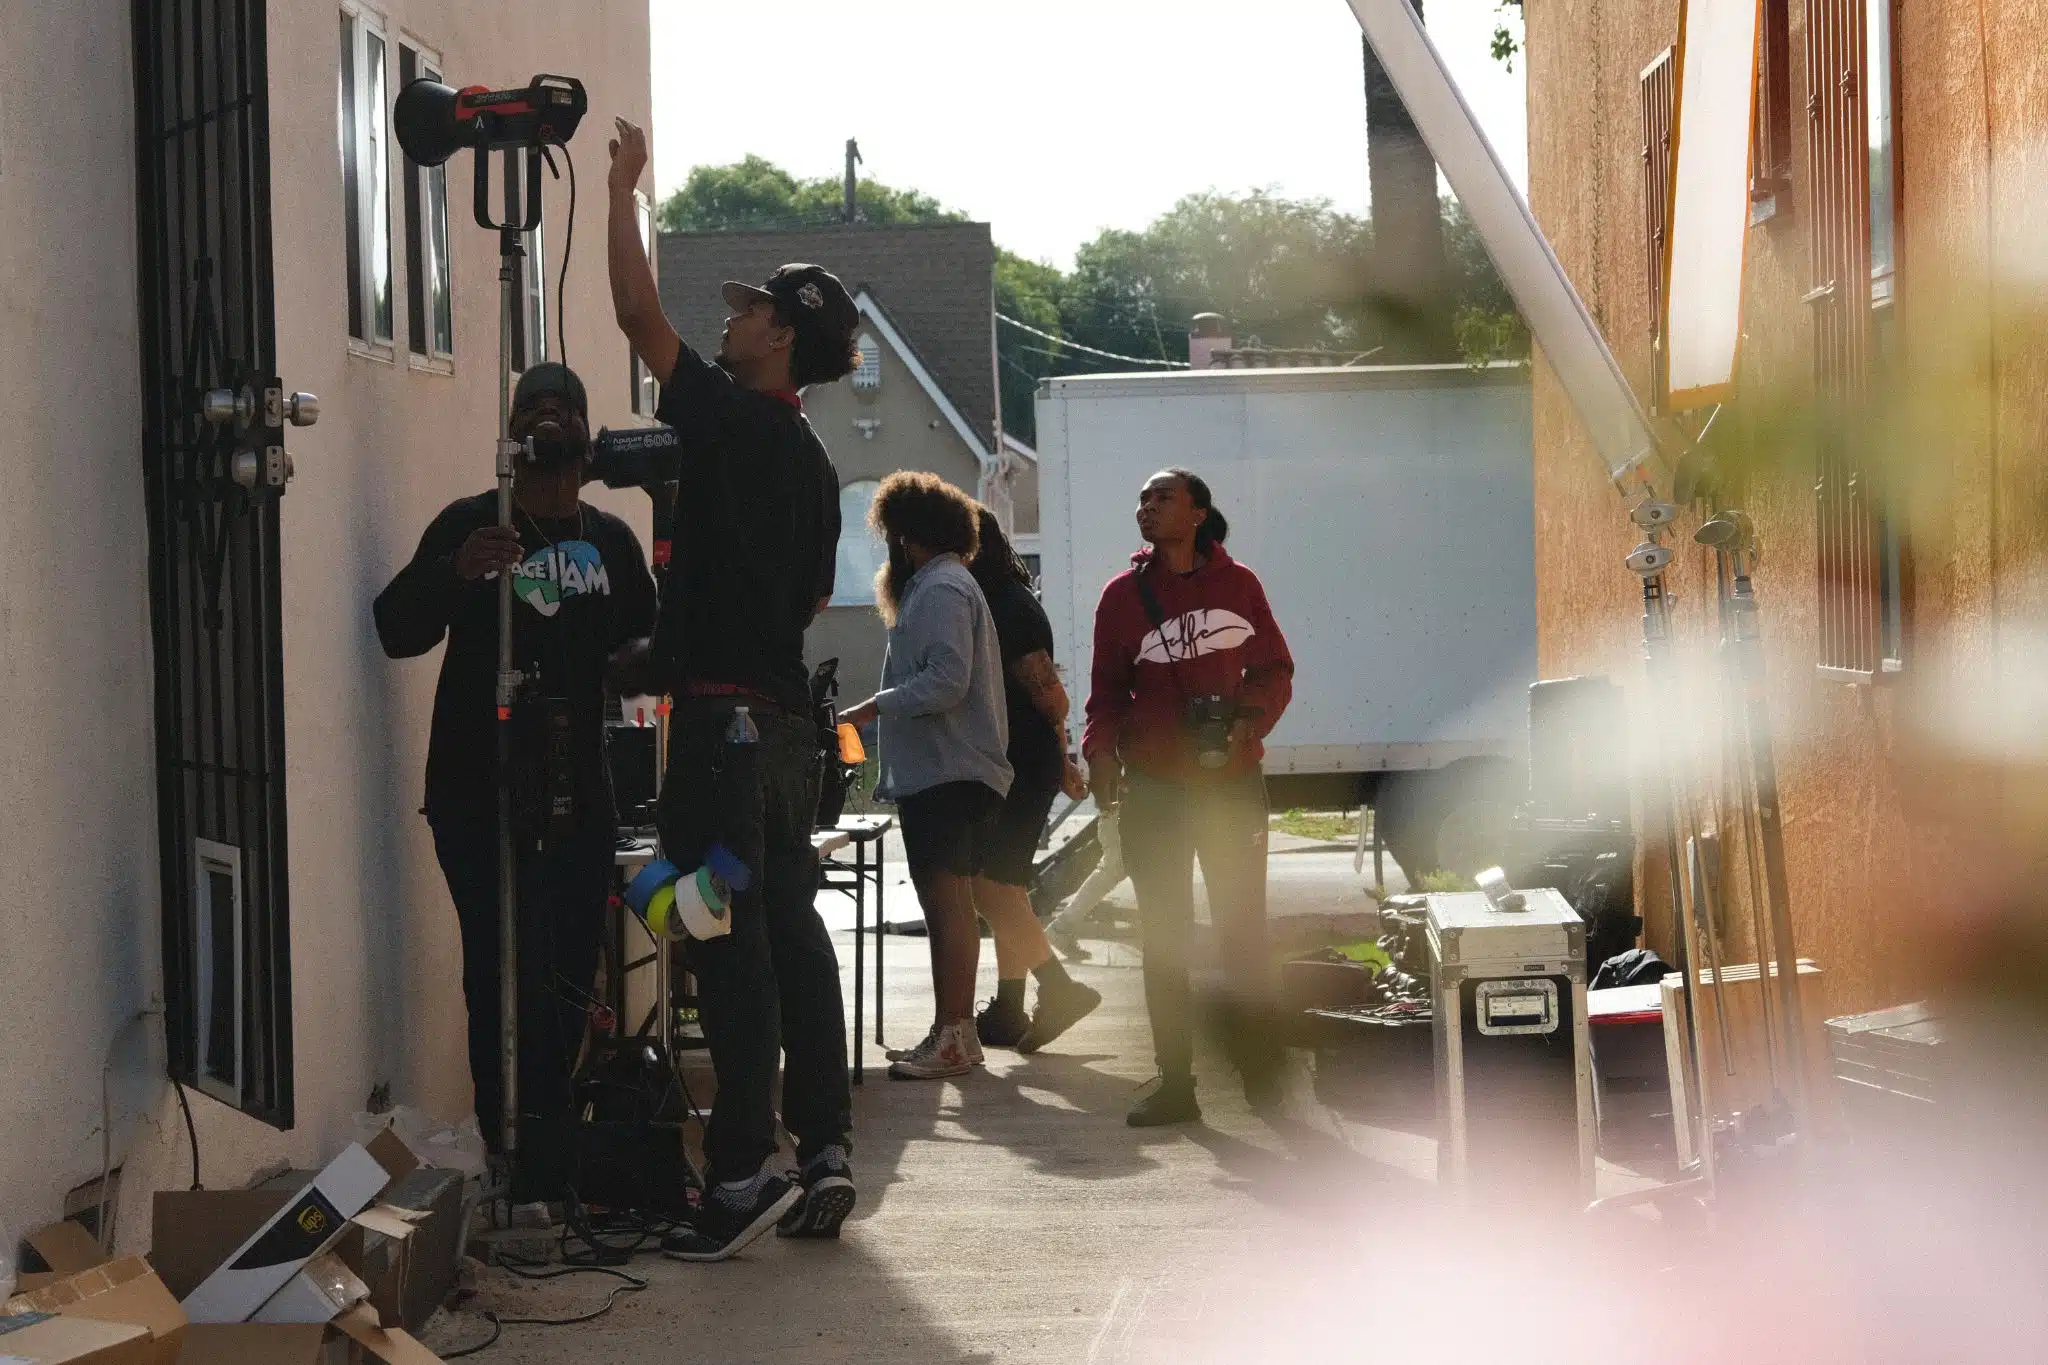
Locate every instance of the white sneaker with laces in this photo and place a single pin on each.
(897, 1054)
(949, 1050)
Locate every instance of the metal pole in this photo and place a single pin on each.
(1757, 721)
(510, 251)
(1657, 660)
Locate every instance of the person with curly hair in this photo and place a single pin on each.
(944, 739)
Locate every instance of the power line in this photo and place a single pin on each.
(1090, 350)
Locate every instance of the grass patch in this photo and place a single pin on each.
(1325, 826)
(1433, 882)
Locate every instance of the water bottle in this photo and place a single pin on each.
(742, 730)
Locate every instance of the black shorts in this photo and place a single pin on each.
(1012, 845)
(946, 828)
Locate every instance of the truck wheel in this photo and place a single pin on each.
(1475, 803)
(1454, 819)
(1398, 809)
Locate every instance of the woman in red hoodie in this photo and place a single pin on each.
(1191, 674)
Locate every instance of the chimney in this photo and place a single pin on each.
(1208, 333)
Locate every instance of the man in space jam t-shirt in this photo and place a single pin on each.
(582, 591)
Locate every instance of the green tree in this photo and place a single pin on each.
(756, 193)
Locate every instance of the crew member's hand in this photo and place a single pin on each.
(629, 157)
(1105, 780)
(859, 716)
(1240, 735)
(1073, 781)
(489, 549)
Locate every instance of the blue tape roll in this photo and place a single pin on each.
(650, 879)
(729, 869)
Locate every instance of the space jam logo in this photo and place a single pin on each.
(552, 575)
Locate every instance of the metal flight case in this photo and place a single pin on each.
(1514, 1076)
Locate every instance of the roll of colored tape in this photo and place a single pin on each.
(698, 906)
(640, 891)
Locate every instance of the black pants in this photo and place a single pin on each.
(771, 986)
(1165, 827)
(563, 890)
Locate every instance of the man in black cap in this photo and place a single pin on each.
(584, 599)
(755, 549)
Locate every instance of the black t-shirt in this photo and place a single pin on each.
(583, 591)
(1021, 629)
(757, 535)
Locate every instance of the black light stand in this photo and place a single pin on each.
(433, 122)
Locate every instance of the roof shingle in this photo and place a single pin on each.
(938, 279)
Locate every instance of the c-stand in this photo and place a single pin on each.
(433, 122)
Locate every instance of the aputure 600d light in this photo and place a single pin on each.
(434, 122)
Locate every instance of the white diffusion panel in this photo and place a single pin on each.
(1709, 198)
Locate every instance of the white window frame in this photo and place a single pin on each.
(427, 256)
(536, 287)
(867, 376)
(646, 396)
(210, 857)
(373, 172)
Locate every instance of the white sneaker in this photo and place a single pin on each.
(897, 1054)
(949, 1050)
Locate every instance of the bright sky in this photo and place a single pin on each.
(1050, 119)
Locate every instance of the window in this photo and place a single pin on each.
(861, 554)
(1656, 91)
(430, 312)
(644, 399)
(1771, 157)
(868, 375)
(1879, 79)
(217, 956)
(530, 323)
(1851, 99)
(366, 179)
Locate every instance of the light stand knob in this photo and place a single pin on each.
(302, 409)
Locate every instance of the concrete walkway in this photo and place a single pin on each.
(1012, 1216)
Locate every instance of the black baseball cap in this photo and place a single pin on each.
(809, 298)
(552, 379)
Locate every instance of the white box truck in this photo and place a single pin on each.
(1389, 512)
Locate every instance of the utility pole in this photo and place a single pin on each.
(851, 211)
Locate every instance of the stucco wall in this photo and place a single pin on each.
(78, 948)
(913, 434)
(376, 975)
(1972, 504)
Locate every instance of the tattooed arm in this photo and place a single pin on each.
(1041, 682)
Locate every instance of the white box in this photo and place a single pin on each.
(279, 1250)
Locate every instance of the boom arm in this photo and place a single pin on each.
(1570, 339)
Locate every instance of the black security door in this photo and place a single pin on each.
(215, 467)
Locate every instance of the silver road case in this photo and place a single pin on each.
(1514, 1076)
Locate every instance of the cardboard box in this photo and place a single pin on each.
(65, 1249)
(413, 1241)
(46, 1339)
(309, 1223)
(253, 1343)
(123, 1291)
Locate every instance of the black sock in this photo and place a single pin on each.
(1051, 973)
(1010, 994)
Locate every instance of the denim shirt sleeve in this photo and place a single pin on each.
(937, 635)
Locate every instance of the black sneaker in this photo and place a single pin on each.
(997, 1026)
(1169, 1101)
(827, 1197)
(718, 1229)
(1060, 1006)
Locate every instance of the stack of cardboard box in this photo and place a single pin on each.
(329, 1268)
